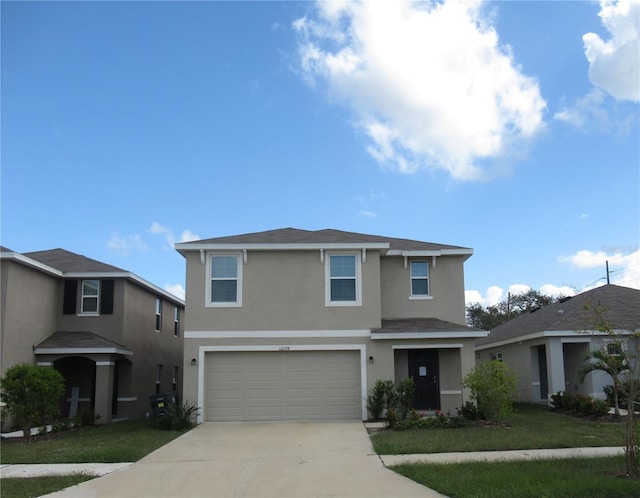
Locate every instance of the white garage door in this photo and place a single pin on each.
(291, 385)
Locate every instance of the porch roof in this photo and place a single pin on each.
(63, 342)
(424, 328)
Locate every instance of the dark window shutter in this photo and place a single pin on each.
(70, 297)
(106, 297)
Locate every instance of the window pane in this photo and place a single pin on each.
(419, 287)
(224, 267)
(89, 304)
(419, 269)
(343, 266)
(224, 291)
(90, 287)
(343, 290)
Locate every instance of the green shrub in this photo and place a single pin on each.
(378, 400)
(178, 418)
(85, 417)
(470, 412)
(32, 395)
(405, 392)
(599, 408)
(493, 387)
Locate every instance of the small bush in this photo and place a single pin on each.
(579, 403)
(470, 412)
(178, 418)
(32, 394)
(493, 387)
(599, 408)
(378, 400)
(405, 392)
(85, 418)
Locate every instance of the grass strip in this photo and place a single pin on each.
(126, 441)
(529, 427)
(32, 487)
(570, 478)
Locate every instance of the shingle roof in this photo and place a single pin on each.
(622, 313)
(68, 262)
(327, 236)
(77, 340)
(403, 325)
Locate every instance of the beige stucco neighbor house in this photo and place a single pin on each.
(294, 324)
(548, 347)
(116, 338)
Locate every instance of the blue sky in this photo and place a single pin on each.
(508, 127)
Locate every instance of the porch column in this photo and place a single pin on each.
(555, 366)
(104, 391)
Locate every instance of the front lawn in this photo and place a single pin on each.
(530, 426)
(570, 478)
(38, 486)
(126, 441)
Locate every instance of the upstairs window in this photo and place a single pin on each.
(90, 296)
(225, 280)
(176, 321)
(343, 280)
(158, 314)
(419, 279)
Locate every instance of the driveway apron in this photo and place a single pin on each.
(252, 459)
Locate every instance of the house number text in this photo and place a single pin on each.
(284, 348)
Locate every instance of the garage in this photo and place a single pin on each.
(282, 385)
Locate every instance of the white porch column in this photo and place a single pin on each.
(555, 366)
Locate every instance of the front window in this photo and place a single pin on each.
(343, 280)
(225, 280)
(90, 296)
(419, 278)
(176, 321)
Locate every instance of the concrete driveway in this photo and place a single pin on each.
(270, 459)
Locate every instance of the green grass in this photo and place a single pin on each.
(118, 442)
(529, 427)
(28, 488)
(571, 478)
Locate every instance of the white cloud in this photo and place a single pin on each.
(588, 112)
(557, 291)
(428, 83)
(175, 289)
(126, 244)
(495, 294)
(492, 296)
(614, 65)
(158, 229)
(368, 214)
(624, 269)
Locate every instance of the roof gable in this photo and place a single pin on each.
(574, 314)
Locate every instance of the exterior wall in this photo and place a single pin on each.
(521, 360)
(446, 286)
(150, 348)
(29, 311)
(294, 280)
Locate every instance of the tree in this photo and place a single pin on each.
(32, 395)
(626, 357)
(494, 388)
(515, 304)
(613, 364)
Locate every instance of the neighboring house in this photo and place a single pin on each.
(295, 325)
(547, 347)
(116, 338)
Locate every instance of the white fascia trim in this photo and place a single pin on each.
(566, 334)
(82, 351)
(266, 334)
(202, 350)
(427, 346)
(427, 335)
(187, 246)
(452, 392)
(433, 252)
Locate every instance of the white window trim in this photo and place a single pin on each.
(158, 314)
(82, 296)
(420, 297)
(327, 280)
(239, 263)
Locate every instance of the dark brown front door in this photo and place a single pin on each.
(423, 368)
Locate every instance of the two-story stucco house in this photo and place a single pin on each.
(116, 338)
(293, 324)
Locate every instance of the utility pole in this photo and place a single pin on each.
(607, 265)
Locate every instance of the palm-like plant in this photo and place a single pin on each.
(612, 364)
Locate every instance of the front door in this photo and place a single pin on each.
(423, 368)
